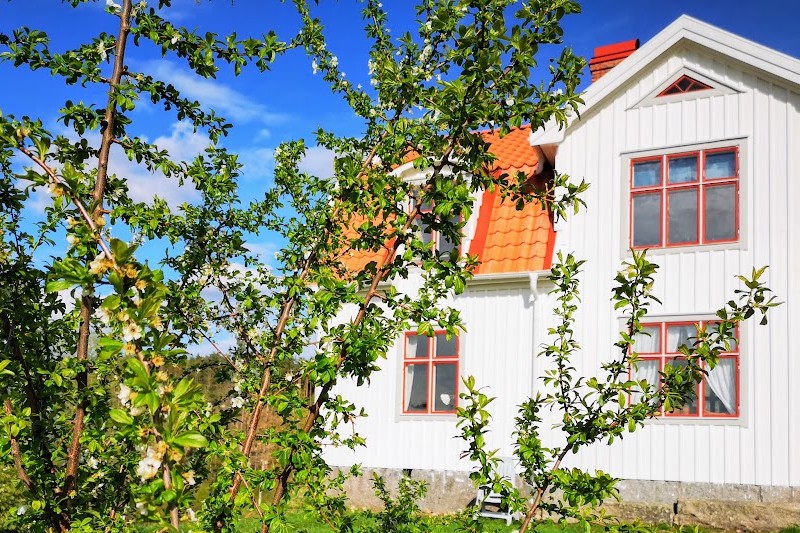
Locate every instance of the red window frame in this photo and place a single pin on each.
(675, 88)
(664, 357)
(431, 361)
(700, 185)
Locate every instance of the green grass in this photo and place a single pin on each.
(304, 522)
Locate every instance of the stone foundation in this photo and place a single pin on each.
(724, 507)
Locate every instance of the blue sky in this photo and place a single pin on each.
(290, 102)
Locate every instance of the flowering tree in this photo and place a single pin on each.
(101, 429)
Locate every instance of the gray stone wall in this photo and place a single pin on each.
(724, 507)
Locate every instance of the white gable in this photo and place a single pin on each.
(684, 32)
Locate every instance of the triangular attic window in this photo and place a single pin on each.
(684, 84)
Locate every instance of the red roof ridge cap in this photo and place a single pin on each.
(611, 51)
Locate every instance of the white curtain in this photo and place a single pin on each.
(722, 380)
(648, 341)
(409, 386)
(680, 335)
(647, 370)
(416, 394)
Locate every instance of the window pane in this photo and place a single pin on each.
(647, 173)
(680, 335)
(647, 219)
(416, 388)
(682, 205)
(416, 346)
(444, 347)
(720, 165)
(447, 245)
(648, 341)
(721, 388)
(691, 407)
(720, 213)
(647, 370)
(683, 169)
(444, 391)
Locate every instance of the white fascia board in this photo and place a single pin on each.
(532, 280)
(683, 28)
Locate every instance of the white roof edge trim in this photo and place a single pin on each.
(689, 28)
(525, 276)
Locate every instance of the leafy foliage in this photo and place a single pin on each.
(101, 430)
(597, 409)
(400, 513)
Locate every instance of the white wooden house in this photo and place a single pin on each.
(691, 144)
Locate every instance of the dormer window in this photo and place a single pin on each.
(424, 230)
(684, 84)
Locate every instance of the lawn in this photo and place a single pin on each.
(302, 522)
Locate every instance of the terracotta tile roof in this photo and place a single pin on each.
(506, 240)
(516, 241)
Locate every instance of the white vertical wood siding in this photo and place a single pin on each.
(497, 350)
(765, 447)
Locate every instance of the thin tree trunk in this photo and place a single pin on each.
(73, 455)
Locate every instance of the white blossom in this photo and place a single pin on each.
(99, 264)
(188, 477)
(371, 66)
(113, 5)
(124, 394)
(92, 463)
(314, 67)
(509, 101)
(72, 239)
(22, 510)
(237, 402)
(149, 465)
(334, 61)
(131, 331)
(104, 315)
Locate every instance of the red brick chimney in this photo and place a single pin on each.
(609, 56)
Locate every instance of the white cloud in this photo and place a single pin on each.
(257, 162)
(183, 145)
(264, 250)
(318, 161)
(212, 93)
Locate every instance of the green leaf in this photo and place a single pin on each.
(120, 417)
(190, 439)
(58, 285)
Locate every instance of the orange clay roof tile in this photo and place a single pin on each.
(506, 240)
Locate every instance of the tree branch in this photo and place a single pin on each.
(73, 455)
